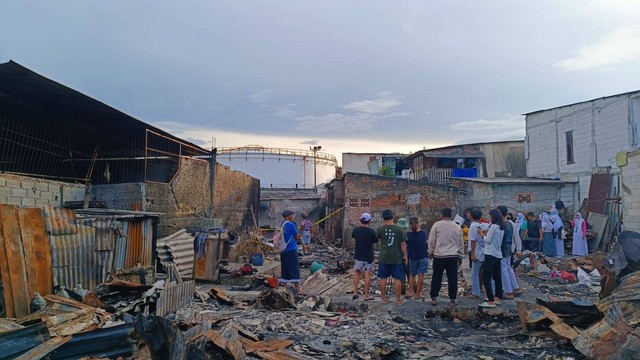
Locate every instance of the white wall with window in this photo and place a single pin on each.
(571, 142)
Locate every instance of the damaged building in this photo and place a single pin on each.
(55, 140)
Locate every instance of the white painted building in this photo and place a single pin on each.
(631, 191)
(281, 168)
(572, 142)
(369, 163)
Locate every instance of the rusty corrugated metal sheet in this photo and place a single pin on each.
(60, 221)
(599, 188)
(134, 244)
(147, 245)
(76, 261)
(175, 296)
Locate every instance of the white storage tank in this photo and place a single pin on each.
(279, 168)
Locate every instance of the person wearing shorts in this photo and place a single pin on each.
(365, 238)
(305, 226)
(418, 258)
(393, 255)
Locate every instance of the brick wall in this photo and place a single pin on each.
(27, 191)
(631, 192)
(373, 194)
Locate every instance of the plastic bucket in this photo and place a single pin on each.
(257, 260)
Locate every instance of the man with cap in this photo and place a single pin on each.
(289, 262)
(305, 226)
(365, 238)
(393, 255)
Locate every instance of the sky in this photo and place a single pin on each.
(350, 76)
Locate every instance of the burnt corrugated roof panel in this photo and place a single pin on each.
(104, 343)
(19, 341)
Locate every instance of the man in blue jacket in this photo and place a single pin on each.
(289, 262)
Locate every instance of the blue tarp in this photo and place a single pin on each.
(468, 173)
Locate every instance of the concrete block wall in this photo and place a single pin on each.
(488, 196)
(186, 201)
(273, 202)
(631, 192)
(119, 196)
(236, 195)
(374, 193)
(28, 191)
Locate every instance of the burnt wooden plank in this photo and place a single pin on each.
(37, 248)
(5, 274)
(15, 254)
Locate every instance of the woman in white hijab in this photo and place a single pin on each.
(579, 236)
(557, 235)
(548, 246)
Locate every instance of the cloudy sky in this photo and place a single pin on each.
(351, 76)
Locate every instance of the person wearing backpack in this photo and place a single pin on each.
(289, 261)
(510, 244)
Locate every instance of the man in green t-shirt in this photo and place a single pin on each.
(393, 255)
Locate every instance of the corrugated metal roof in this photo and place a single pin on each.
(60, 221)
(117, 214)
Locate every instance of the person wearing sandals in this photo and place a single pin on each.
(446, 248)
(418, 258)
(365, 238)
(492, 257)
(393, 255)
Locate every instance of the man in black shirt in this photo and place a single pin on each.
(365, 237)
(533, 233)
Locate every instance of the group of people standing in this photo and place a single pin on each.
(406, 251)
(406, 248)
(546, 234)
(492, 246)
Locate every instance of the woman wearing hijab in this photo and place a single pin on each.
(521, 223)
(579, 247)
(558, 241)
(548, 246)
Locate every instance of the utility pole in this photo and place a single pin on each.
(315, 163)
